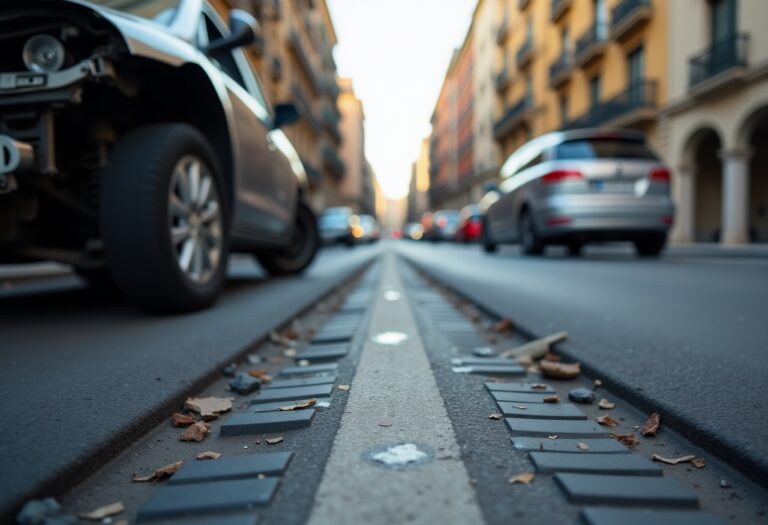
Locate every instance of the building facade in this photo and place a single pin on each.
(295, 63)
(418, 189)
(716, 123)
(356, 189)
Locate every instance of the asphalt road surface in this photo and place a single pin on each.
(684, 335)
(81, 374)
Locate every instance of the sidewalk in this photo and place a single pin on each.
(718, 250)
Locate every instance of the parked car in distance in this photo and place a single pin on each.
(444, 225)
(371, 230)
(580, 186)
(470, 225)
(336, 226)
(142, 152)
(426, 221)
(413, 231)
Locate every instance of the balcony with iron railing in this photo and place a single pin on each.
(503, 80)
(304, 107)
(630, 108)
(522, 4)
(333, 163)
(591, 45)
(560, 70)
(331, 124)
(629, 15)
(725, 60)
(512, 118)
(525, 53)
(558, 9)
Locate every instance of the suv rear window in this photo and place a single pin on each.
(603, 149)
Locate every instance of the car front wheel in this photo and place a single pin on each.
(302, 250)
(488, 245)
(164, 219)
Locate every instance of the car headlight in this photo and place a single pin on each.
(43, 54)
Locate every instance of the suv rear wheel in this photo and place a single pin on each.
(302, 250)
(488, 245)
(164, 219)
(529, 239)
(650, 247)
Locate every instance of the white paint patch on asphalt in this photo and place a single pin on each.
(389, 338)
(400, 455)
(395, 387)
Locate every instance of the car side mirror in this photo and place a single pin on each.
(285, 114)
(243, 30)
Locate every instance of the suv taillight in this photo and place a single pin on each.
(560, 176)
(660, 175)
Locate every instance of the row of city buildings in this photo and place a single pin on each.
(691, 74)
(294, 61)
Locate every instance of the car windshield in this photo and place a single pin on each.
(603, 149)
(161, 11)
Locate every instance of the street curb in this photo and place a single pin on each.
(756, 469)
(92, 460)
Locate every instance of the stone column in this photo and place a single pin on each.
(735, 196)
(684, 191)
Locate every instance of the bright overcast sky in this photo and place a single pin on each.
(396, 52)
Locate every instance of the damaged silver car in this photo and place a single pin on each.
(137, 145)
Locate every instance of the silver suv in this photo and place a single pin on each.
(580, 186)
(137, 145)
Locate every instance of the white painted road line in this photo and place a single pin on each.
(394, 386)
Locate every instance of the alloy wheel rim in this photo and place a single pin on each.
(194, 216)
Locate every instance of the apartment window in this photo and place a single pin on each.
(565, 43)
(594, 91)
(636, 66)
(601, 19)
(529, 29)
(529, 89)
(723, 25)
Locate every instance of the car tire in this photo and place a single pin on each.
(164, 219)
(575, 249)
(530, 241)
(488, 245)
(301, 252)
(650, 247)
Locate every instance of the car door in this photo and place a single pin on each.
(257, 212)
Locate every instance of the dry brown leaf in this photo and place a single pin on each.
(163, 472)
(605, 404)
(699, 463)
(525, 478)
(503, 326)
(652, 425)
(673, 461)
(524, 361)
(343, 388)
(560, 370)
(182, 420)
(209, 455)
(582, 446)
(607, 421)
(551, 357)
(300, 405)
(495, 416)
(628, 440)
(196, 432)
(539, 386)
(274, 440)
(552, 399)
(261, 375)
(209, 407)
(385, 424)
(104, 512)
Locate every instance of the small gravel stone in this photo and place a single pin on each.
(484, 351)
(244, 384)
(254, 359)
(230, 370)
(581, 395)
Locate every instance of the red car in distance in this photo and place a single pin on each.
(470, 227)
